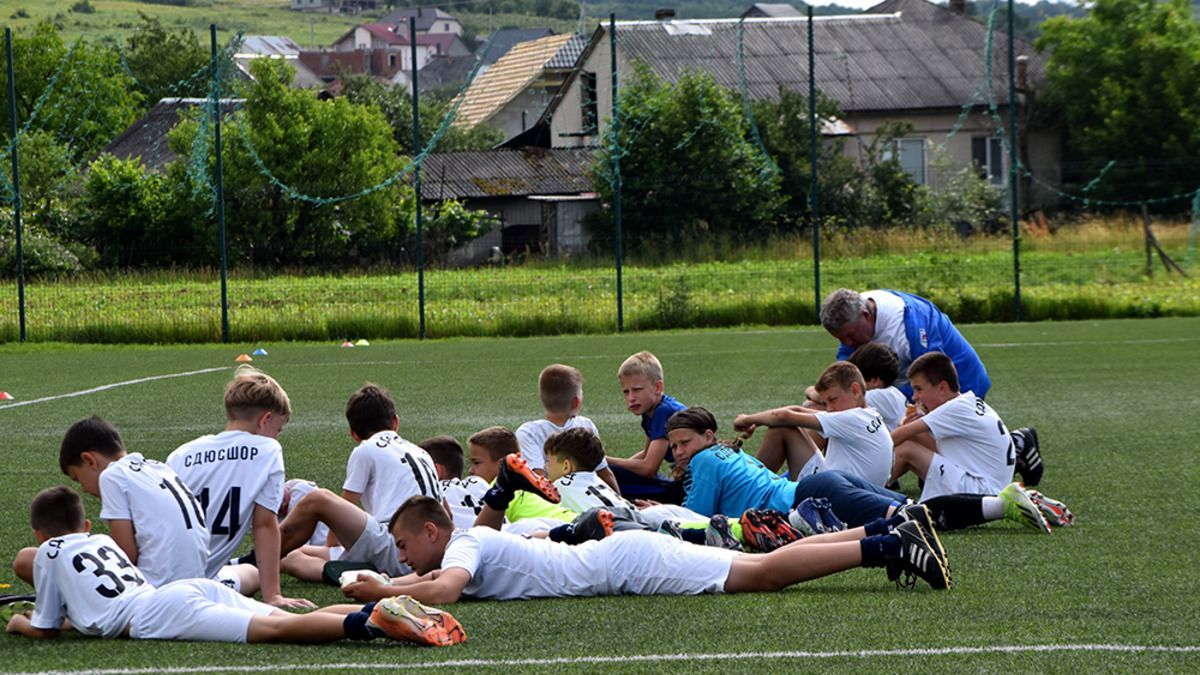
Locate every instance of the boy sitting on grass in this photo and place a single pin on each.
(464, 495)
(560, 389)
(852, 435)
(880, 367)
(88, 580)
(641, 379)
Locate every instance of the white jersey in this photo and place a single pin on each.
(230, 473)
(168, 521)
(507, 567)
(532, 436)
(583, 490)
(889, 328)
(890, 403)
(465, 496)
(859, 444)
(386, 470)
(971, 435)
(87, 579)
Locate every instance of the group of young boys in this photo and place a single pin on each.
(540, 512)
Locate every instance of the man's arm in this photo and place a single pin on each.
(123, 533)
(646, 462)
(21, 625)
(445, 589)
(265, 525)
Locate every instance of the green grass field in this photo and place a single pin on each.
(1114, 403)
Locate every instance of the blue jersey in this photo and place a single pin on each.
(928, 329)
(654, 423)
(720, 479)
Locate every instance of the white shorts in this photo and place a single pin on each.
(228, 576)
(195, 609)
(376, 546)
(656, 514)
(813, 465)
(648, 563)
(947, 478)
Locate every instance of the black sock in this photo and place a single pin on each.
(692, 535)
(498, 497)
(562, 533)
(879, 526)
(954, 512)
(355, 624)
(248, 559)
(877, 549)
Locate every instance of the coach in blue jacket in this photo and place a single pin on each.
(912, 326)
(909, 324)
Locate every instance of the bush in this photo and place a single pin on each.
(83, 7)
(43, 255)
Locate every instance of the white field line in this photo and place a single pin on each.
(651, 658)
(114, 385)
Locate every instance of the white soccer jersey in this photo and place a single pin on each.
(532, 436)
(859, 444)
(890, 403)
(168, 521)
(507, 567)
(87, 579)
(230, 473)
(465, 496)
(889, 328)
(583, 490)
(971, 435)
(386, 470)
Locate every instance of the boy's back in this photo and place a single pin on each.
(583, 490)
(168, 521)
(532, 437)
(723, 480)
(970, 434)
(465, 496)
(859, 444)
(386, 470)
(230, 473)
(85, 578)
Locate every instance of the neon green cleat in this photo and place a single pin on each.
(1019, 508)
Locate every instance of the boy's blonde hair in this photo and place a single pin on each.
(558, 386)
(841, 374)
(498, 441)
(252, 391)
(644, 364)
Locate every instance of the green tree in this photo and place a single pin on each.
(1126, 80)
(687, 168)
(166, 63)
(92, 99)
(123, 207)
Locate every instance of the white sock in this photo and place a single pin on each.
(993, 508)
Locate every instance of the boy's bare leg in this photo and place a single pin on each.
(852, 534)
(772, 452)
(911, 456)
(323, 625)
(248, 582)
(489, 517)
(306, 563)
(789, 444)
(345, 520)
(23, 564)
(791, 564)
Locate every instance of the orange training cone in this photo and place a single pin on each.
(244, 358)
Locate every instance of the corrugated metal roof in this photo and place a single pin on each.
(268, 45)
(899, 55)
(505, 173)
(506, 78)
(146, 139)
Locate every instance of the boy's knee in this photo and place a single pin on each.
(318, 501)
(22, 564)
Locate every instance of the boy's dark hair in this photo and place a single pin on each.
(558, 385)
(57, 511)
(579, 445)
(445, 451)
(696, 418)
(935, 367)
(877, 360)
(90, 434)
(418, 510)
(841, 374)
(498, 441)
(370, 410)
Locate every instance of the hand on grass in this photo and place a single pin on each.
(289, 603)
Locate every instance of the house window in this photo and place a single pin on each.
(391, 60)
(988, 155)
(911, 153)
(446, 28)
(587, 99)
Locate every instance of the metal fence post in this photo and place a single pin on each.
(16, 180)
(616, 162)
(412, 36)
(814, 201)
(220, 184)
(1013, 186)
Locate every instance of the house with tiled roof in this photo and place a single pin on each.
(907, 61)
(513, 93)
(146, 139)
